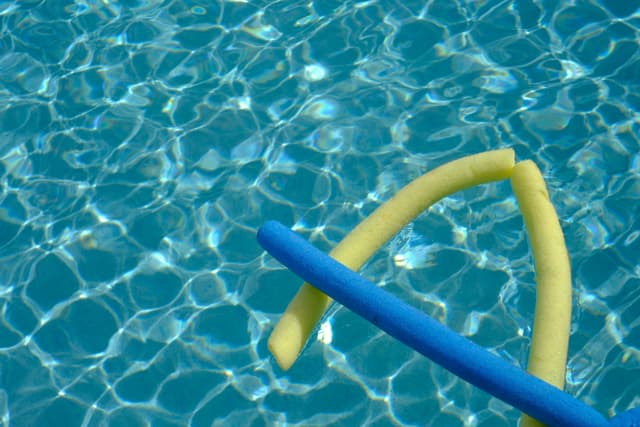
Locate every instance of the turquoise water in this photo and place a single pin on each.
(143, 142)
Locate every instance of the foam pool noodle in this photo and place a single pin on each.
(432, 339)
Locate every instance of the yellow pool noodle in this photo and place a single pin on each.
(307, 307)
(550, 337)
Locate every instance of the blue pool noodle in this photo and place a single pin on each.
(452, 351)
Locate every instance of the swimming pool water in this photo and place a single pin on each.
(143, 142)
